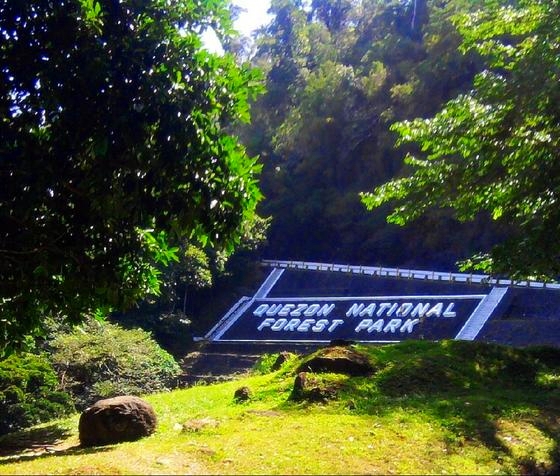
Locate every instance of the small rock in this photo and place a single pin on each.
(282, 358)
(300, 383)
(242, 394)
(307, 387)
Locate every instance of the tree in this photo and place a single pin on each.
(194, 273)
(495, 149)
(356, 67)
(331, 12)
(114, 150)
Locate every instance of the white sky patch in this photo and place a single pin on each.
(211, 42)
(249, 20)
(254, 17)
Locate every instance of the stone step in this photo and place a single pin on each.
(188, 380)
(220, 364)
(213, 362)
(214, 367)
(256, 348)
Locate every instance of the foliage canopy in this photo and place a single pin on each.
(114, 148)
(496, 148)
(339, 73)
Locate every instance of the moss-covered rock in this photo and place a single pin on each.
(338, 360)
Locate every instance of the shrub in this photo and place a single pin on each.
(265, 363)
(102, 360)
(29, 392)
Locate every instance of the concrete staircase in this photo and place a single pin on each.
(218, 362)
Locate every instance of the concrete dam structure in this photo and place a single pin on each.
(301, 306)
(315, 303)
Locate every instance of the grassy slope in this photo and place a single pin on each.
(450, 407)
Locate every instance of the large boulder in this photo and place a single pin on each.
(338, 360)
(115, 420)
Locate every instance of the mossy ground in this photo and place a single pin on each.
(448, 407)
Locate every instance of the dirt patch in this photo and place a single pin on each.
(199, 424)
(265, 413)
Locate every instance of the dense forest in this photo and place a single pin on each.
(339, 73)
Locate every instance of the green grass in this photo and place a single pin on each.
(449, 407)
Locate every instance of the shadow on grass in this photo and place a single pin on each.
(478, 418)
(35, 438)
(549, 423)
(470, 390)
(41, 442)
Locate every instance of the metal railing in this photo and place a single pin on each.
(409, 274)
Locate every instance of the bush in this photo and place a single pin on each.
(102, 360)
(29, 392)
(264, 364)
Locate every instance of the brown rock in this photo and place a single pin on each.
(115, 420)
(339, 360)
(282, 358)
(242, 394)
(300, 383)
(310, 388)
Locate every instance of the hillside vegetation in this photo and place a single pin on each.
(447, 407)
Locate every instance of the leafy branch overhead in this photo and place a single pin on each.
(496, 148)
(114, 150)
